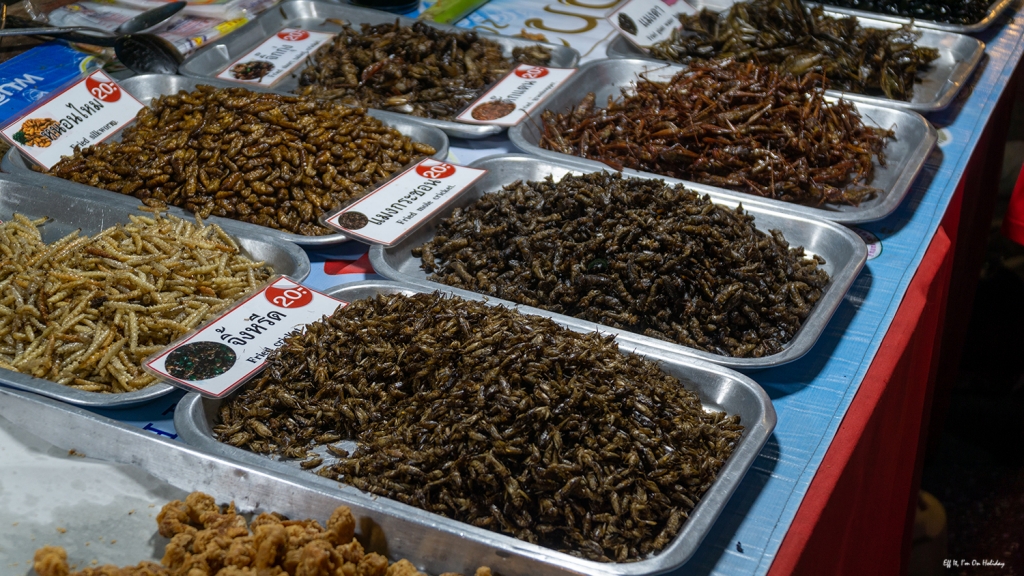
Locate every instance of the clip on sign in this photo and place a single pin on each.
(647, 22)
(232, 348)
(402, 204)
(85, 113)
(515, 95)
(275, 57)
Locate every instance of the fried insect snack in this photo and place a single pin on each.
(799, 39)
(416, 69)
(208, 540)
(631, 253)
(86, 311)
(273, 160)
(734, 125)
(495, 418)
(948, 11)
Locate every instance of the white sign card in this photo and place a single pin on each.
(389, 213)
(230, 349)
(515, 95)
(85, 113)
(647, 22)
(275, 57)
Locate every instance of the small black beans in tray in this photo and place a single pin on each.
(491, 417)
(273, 160)
(416, 69)
(635, 254)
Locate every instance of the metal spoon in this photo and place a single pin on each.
(147, 54)
(144, 21)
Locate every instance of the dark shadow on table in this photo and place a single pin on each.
(722, 536)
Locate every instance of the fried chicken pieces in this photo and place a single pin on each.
(207, 540)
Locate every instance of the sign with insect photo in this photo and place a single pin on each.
(404, 203)
(647, 22)
(85, 113)
(232, 348)
(275, 57)
(515, 95)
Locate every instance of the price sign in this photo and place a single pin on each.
(389, 213)
(86, 113)
(647, 22)
(515, 95)
(275, 57)
(229, 350)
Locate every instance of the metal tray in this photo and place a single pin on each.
(718, 388)
(68, 212)
(150, 86)
(959, 55)
(905, 155)
(213, 58)
(844, 253)
(994, 10)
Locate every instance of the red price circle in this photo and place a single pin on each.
(293, 35)
(106, 91)
(532, 73)
(290, 297)
(441, 170)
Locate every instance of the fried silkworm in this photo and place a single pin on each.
(273, 160)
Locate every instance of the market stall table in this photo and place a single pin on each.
(831, 491)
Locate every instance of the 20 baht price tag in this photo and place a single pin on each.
(515, 95)
(275, 57)
(232, 348)
(404, 203)
(86, 113)
(647, 22)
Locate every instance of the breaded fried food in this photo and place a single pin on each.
(212, 540)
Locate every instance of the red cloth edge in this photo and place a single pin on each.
(861, 409)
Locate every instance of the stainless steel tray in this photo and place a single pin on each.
(213, 58)
(718, 388)
(994, 10)
(150, 86)
(905, 155)
(69, 212)
(959, 55)
(844, 253)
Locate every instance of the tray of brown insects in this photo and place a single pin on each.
(991, 14)
(148, 87)
(843, 252)
(912, 137)
(208, 423)
(214, 58)
(939, 81)
(81, 290)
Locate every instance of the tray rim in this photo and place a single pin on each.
(17, 168)
(50, 389)
(449, 127)
(191, 429)
(893, 197)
